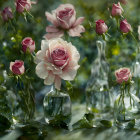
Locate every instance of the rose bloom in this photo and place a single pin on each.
(123, 75)
(17, 67)
(57, 60)
(125, 27)
(64, 19)
(117, 10)
(7, 14)
(28, 44)
(22, 5)
(101, 27)
(139, 31)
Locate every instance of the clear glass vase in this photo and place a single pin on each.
(57, 107)
(98, 98)
(126, 107)
(136, 74)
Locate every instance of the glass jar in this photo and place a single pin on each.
(98, 98)
(126, 107)
(57, 107)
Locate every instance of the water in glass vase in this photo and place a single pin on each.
(97, 90)
(126, 109)
(57, 107)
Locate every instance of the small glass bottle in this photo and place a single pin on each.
(97, 91)
(126, 107)
(57, 107)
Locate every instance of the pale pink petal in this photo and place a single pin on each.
(41, 70)
(78, 21)
(139, 31)
(40, 55)
(50, 79)
(76, 31)
(70, 71)
(11, 64)
(51, 18)
(22, 69)
(52, 29)
(57, 82)
(44, 45)
(54, 35)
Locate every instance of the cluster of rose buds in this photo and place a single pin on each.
(21, 6)
(117, 10)
(17, 67)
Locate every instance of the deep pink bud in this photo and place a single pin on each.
(117, 10)
(125, 27)
(28, 43)
(17, 67)
(101, 27)
(22, 5)
(7, 14)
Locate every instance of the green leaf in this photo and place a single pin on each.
(106, 123)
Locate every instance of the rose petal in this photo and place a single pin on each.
(52, 29)
(57, 82)
(54, 35)
(50, 79)
(11, 64)
(76, 31)
(78, 21)
(51, 18)
(41, 70)
(44, 45)
(70, 71)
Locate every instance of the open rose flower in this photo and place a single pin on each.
(64, 19)
(117, 10)
(57, 60)
(125, 27)
(17, 67)
(7, 14)
(123, 75)
(101, 27)
(28, 44)
(22, 5)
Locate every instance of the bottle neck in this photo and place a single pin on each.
(101, 49)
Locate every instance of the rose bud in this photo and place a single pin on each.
(125, 27)
(101, 27)
(7, 14)
(123, 75)
(64, 19)
(28, 44)
(22, 5)
(17, 67)
(117, 10)
(57, 60)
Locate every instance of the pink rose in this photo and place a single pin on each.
(116, 10)
(125, 27)
(64, 18)
(123, 75)
(22, 5)
(7, 14)
(17, 67)
(101, 27)
(28, 43)
(57, 60)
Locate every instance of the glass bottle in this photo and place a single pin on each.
(97, 90)
(136, 73)
(57, 107)
(126, 107)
